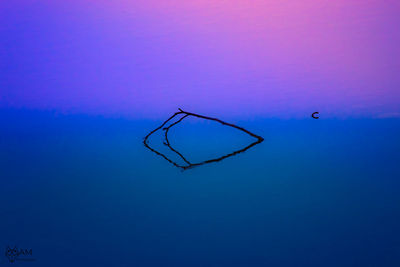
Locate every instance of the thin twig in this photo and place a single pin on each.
(167, 141)
(191, 165)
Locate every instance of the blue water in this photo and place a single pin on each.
(84, 191)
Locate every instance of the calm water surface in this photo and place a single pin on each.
(84, 191)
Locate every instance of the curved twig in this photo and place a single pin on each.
(167, 141)
(191, 165)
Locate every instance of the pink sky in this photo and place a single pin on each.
(241, 58)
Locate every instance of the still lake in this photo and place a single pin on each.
(83, 191)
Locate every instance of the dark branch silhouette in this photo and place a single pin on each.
(191, 165)
(167, 141)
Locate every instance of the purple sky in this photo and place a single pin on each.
(280, 59)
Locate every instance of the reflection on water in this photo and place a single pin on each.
(84, 191)
(166, 125)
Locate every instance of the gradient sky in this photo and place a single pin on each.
(144, 59)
